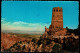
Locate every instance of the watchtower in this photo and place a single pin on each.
(57, 19)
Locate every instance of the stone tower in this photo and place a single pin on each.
(57, 19)
(56, 27)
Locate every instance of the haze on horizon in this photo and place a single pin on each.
(33, 16)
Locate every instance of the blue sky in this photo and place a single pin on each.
(35, 15)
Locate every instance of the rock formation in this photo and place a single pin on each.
(8, 40)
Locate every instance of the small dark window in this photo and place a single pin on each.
(57, 10)
(60, 10)
(54, 10)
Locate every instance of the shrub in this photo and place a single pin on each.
(20, 42)
(34, 40)
(23, 47)
(39, 41)
(56, 48)
(18, 47)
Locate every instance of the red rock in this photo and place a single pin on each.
(7, 41)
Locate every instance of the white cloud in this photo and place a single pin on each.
(31, 24)
(20, 26)
(2, 19)
(19, 22)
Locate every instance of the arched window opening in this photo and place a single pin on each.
(54, 10)
(60, 10)
(57, 10)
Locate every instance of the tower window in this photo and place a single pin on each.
(60, 10)
(54, 10)
(57, 10)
